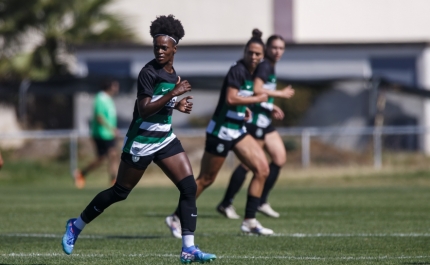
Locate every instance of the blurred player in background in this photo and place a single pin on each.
(104, 133)
(150, 138)
(261, 128)
(226, 131)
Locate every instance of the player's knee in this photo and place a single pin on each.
(205, 180)
(262, 170)
(279, 159)
(121, 193)
(187, 187)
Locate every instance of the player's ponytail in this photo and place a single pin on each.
(256, 38)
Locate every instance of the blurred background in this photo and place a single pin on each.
(361, 70)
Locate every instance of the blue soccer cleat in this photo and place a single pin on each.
(70, 236)
(194, 254)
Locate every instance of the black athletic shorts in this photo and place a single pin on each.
(142, 162)
(258, 132)
(219, 147)
(103, 146)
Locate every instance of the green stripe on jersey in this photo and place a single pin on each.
(246, 90)
(260, 109)
(160, 89)
(163, 88)
(157, 118)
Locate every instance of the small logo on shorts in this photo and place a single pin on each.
(135, 158)
(259, 132)
(220, 148)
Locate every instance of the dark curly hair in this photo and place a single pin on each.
(167, 25)
(256, 38)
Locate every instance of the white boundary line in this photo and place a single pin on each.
(356, 235)
(24, 255)
(297, 235)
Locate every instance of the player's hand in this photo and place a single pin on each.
(184, 105)
(287, 92)
(277, 113)
(181, 87)
(248, 115)
(261, 97)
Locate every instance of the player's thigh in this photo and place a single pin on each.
(128, 176)
(261, 144)
(250, 153)
(176, 167)
(275, 148)
(210, 165)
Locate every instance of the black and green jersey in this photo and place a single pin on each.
(228, 121)
(147, 136)
(261, 112)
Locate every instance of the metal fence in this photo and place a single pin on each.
(305, 133)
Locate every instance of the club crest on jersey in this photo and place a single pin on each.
(259, 132)
(220, 148)
(135, 159)
(172, 102)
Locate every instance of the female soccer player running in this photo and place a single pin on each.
(261, 128)
(150, 138)
(226, 131)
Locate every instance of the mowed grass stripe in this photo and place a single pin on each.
(220, 257)
(298, 235)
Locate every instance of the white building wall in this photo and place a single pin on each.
(361, 20)
(205, 22)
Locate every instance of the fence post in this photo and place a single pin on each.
(73, 151)
(306, 146)
(22, 109)
(377, 148)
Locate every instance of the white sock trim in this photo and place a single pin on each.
(187, 241)
(79, 223)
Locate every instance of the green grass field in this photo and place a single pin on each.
(377, 218)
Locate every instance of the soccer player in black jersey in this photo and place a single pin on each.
(261, 128)
(226, 131)
(150, 138)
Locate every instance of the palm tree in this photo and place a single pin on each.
(36, 36)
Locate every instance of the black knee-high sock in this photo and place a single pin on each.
(251, 206)
(187, 210)
(270, 182)
(103, 200)
(236, 182)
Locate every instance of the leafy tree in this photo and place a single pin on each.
(37, 36)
